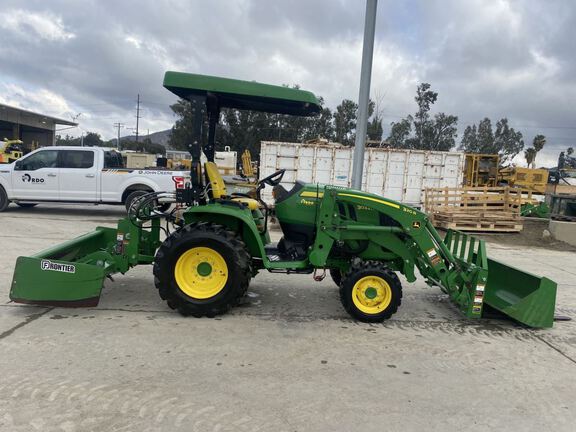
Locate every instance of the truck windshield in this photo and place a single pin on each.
(113, 159)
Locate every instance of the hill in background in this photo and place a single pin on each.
(161, 137)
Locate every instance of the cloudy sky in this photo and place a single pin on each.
(492, 58)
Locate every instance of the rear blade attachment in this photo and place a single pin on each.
(70, 274)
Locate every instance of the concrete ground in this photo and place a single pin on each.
(290, 359)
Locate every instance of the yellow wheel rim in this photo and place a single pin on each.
(371, 295)
(201, 273)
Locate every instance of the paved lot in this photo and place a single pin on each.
(290, 359)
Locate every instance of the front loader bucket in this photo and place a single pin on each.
(70, 274)
(524, 297)
(527, 298)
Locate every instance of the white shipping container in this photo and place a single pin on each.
(400, 175)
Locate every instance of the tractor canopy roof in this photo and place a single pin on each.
(245, 95)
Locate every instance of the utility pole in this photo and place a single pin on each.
(137, 115)
(118, 126)
(74, 118)
(364, 94)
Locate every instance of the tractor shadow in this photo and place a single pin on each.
(73, 210)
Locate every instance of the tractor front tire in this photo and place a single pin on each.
(202, 269)
(370, 292)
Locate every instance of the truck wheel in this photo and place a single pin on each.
(4, 202)
(137, 194)
(202, 269)
(370, 292)
(132, 196)
(27, 205)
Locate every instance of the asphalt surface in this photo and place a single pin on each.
(288, 359)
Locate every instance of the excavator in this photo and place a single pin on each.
(204, 258)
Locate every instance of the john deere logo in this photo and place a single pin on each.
(28, 178)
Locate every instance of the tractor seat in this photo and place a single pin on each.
(218, 187)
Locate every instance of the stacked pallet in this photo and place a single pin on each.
(489, 209)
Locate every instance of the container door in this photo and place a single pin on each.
(395, 174)
(417, 166)
(452, 172)
(323, 165)
(375, 171)
(342, 172)
(304, 164)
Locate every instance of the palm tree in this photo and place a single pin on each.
(530, 155)
(538, 143)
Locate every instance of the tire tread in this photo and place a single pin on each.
(162, 260)
(368, 267)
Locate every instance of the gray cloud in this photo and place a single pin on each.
(485, 58)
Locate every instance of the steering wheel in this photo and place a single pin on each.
(273, 179)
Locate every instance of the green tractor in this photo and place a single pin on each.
(221, 241)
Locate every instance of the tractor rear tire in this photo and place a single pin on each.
(4, 201)
(370, 291)
(202, 269)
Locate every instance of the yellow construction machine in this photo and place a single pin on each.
(484, 170)
(481, 170)
(531, 179)
(10, 150)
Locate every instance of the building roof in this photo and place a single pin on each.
(42, 118)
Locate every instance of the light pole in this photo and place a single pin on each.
(364, 93)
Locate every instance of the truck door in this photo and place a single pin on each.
(36, 177)
(78, 175)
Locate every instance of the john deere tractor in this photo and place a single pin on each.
(220, 241)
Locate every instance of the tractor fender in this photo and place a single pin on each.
(236, 219)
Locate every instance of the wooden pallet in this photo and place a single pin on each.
(475, 209)
(481, 226)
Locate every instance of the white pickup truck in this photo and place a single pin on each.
(80, 175)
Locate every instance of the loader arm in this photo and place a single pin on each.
(457, 264)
